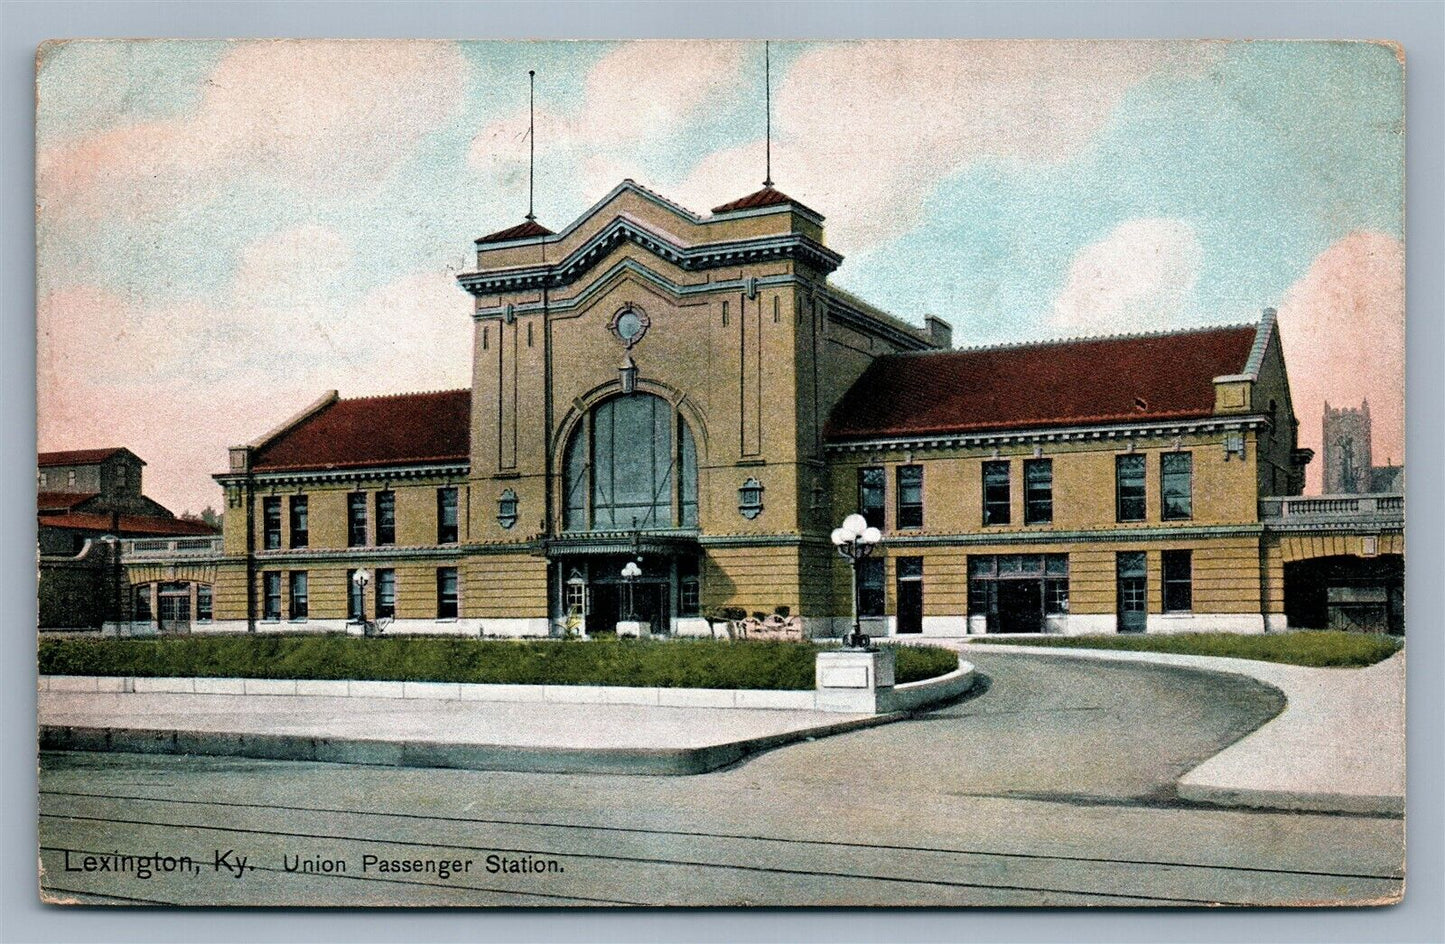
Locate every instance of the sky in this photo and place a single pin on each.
(225, 230)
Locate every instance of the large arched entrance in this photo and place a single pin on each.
(1358, 594)
(629, 494)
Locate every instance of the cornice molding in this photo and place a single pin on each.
(622, 230)
(262, 478)
(1053, 434)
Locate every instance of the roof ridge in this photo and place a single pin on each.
(1081, 338)
(663, 197)
(404, 393)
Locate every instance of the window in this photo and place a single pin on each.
(70, 478)
(271, 522)
(995, 493)
(1038, 491)
(446, 593)
(271, 595)
(909, 595)
(298, 595)
(44, 480)
(356, 519)
(120, 477)
(143, 603)
(870, 495)
(355, 598)
(1056, 584)
(689, 597)
(631, 462)
(299, 529)
(1176, 485)
(870, 586)
(1132, 582)
(1178, 582)
(386, 517)
(446, 515)
(385, 593)
(910, 496)
(1129, 487)
(203, 602)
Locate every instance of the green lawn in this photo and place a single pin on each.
(661, 663)
(1317, 649)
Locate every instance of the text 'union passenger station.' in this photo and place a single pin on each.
(690, 394)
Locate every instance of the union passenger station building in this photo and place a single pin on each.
(689, 393)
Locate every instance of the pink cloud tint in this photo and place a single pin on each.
(1343, 328)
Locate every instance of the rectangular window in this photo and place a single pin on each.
(356, 519)
(1129, 487)
(385, 593)
(909, 595)
(1178, 582)
(299, 525)
(1176, 485)
(1056, 584)
(1038, 491)
(143, 603)
(271, 595)
(271, 523)
(203, 602)
(689, 596)
(70, 478)
(355, 598)
(299, 602)
(870, 586)
(910, 496)
(995, 493)
(386, 517)
(446, 516)
(870, 495)
(446, 593)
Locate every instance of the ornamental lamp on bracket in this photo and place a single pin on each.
(627, 375)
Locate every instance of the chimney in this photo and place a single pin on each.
(940, 332)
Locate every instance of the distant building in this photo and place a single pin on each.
(85, 497)
(1348, 456)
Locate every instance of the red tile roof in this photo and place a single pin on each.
(1063, 383)
(130, 525)
(62, 500)
(402, 429)
(520, 231)
(766, 197)
(80, 456)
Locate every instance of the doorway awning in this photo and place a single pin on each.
(601, 543)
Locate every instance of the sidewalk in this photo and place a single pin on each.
(544, 737)
(1338, 746)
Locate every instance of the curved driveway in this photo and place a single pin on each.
(1048, 786)
(1047, 727)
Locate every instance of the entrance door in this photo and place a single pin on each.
(1020, 606)
(175, 607)
(1133, 587)
(910, 594)
(606, 609)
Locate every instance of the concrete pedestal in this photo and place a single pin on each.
(849, 680)
(634, 629)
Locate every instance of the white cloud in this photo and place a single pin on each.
(317, 115)
(1138, 277)
(865, 131)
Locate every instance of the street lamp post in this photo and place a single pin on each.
(855, 540)
(630, 573)
(361, 578)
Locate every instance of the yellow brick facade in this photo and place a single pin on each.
(746, 346)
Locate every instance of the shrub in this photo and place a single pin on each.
(1318, 649)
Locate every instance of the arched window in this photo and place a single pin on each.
(631, 462)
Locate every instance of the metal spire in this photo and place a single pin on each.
(531, 139)
(768, 111)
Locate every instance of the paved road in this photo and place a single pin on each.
(1050, 785)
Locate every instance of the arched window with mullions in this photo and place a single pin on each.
(632, 460)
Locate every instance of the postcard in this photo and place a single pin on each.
(781, 473)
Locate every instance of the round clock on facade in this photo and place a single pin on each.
(630, 324)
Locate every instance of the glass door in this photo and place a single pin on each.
(1132, 579)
